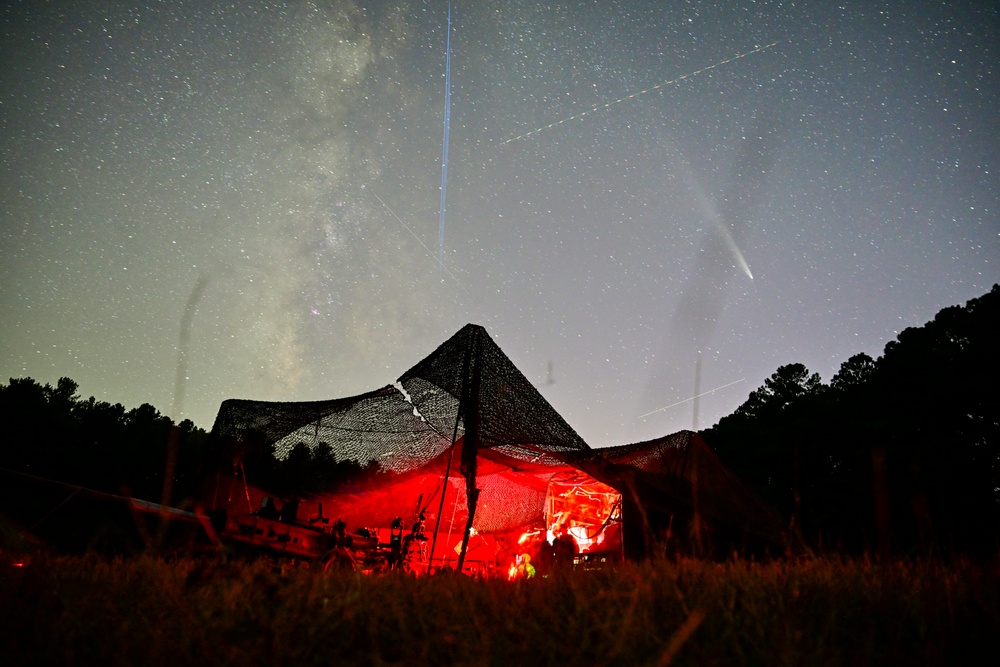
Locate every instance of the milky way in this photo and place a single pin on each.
(201, 203)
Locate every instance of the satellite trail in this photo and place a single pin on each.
(686, 400)
(444, 148)
(607, 105)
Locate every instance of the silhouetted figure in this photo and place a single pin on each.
(340, 537)
(545, 559)
(396, 542)
(564, 548)
(418, 528)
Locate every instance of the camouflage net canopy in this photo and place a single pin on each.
(466, 380)
(507, 438)
(465, 422)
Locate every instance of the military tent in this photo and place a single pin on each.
(465, 442)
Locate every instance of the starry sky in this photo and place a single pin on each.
(202, 201)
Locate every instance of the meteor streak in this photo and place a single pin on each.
(599, 107)
(422, 245)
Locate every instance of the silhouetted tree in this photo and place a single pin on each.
(853, 373)
(50, 432)
(902, 452)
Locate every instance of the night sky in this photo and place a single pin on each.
(202, 201)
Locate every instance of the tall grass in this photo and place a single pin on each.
(145, 611)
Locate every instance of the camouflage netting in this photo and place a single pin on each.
(404, 431)
(680, 475)
(467, 415)
(402, 436)
(377, 427)
(509, 410)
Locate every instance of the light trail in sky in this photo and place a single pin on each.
(688, 400)
(712, 215)
(607, 105)
(444, 148)
(412, 233)
(736, 252)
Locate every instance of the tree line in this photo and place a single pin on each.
(52, 433)
(303, 470)
(899, 454)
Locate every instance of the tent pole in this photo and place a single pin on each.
(470, 445)
(444, 490)
(462, 399)
(454, 511)
(246, 488)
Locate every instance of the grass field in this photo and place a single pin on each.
(86, 610)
